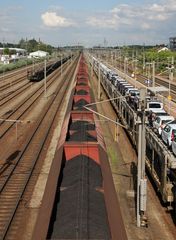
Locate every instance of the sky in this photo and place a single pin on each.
(88, 23)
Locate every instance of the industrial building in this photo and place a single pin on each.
(172, 43)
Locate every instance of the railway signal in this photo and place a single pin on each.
(169, 97)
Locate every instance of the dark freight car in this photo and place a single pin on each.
(39, 75)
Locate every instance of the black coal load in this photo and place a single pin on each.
(81, 92)
(84, 168)
(79, 105)
(80, 211)
(81, 84)
(77, 125)
(83, 137)
(82, 133)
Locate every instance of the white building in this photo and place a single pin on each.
(38, 54)
(163, 49)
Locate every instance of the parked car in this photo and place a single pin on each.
(168, 133)
(160, 122)
(174, 145)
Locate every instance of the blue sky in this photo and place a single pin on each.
(98, 22)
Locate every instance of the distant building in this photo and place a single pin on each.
(172, 43)
(14, 54)
(163, 49)
(38, 54)
(19, 51)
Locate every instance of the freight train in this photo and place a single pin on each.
(38, 75)
(85, 201)
(160, 161)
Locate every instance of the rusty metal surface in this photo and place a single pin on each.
(113, 207)
(77, 151)
(15, 177)
(43, 219)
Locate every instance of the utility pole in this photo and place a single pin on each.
(112, 58)
(171, 77)
(92, 68)
(153, 74)
(124, 67)
(135, 71)
(4, 59)
(33, 65)
(45, 77)
(99, 81)
(61, 65)
(143, 60)
(141, 178)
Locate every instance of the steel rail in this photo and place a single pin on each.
(29, 101)
(14, 93)
(52, 114)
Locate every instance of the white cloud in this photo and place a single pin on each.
(51, 19)
(4, 29)
(157, 8)
(145, 26)
(103, 22)
(141, 17)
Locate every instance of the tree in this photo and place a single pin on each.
(6, 51)
(22, 43)
(13, 51)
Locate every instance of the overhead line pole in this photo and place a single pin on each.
(153, 74)
(45, 77)
(99, 80)
(141, 178)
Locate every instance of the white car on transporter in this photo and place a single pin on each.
(173, 145)
(168, 133)
(160, 122)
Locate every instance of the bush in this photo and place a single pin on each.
(14, 65)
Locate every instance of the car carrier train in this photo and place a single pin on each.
(38, 75)
(160, 160)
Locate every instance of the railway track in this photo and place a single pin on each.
(158, 81)
(14, 179)
(15, 92)
(17, 76)
(23, 108)
(11, 83)
(10, 74)
(12, 93)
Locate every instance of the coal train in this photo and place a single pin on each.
(84, 198)
(36, 76)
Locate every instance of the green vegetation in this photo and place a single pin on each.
(148, 54)
(30, 46)
(12, 66)
(33, 45)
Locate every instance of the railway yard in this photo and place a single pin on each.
(69, 146)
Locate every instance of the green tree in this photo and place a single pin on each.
(6, 51)
(13, 51)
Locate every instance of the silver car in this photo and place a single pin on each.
(174, 145)
(168, 133)
(160, 122)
